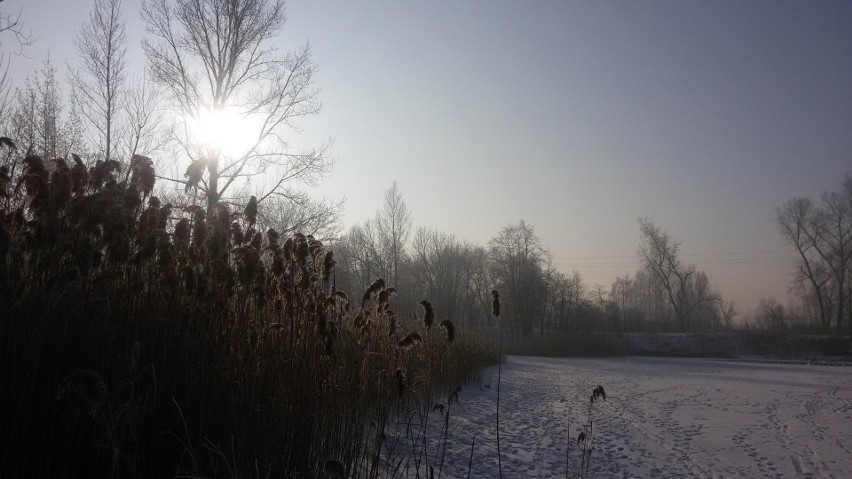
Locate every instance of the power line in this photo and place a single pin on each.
(638, 239)
(683, 255)
(638, 262)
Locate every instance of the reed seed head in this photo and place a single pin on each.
(103, 173)
(61, 185)
(428, 315)
(251, 210)
(237, 233)
(142, 174)
(374, 288)
(327, 265)
(79, 175)
(495, 303)
(193, 174)
(273, 236)
(598, 393)
(409, 341)
(257, 241)
(450, 328)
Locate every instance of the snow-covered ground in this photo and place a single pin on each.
(662, 417)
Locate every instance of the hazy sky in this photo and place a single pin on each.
(578, 117)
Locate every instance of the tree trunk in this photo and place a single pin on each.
(213, 193)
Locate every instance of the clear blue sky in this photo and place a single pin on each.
(578, 117)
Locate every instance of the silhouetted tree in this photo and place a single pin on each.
(100, 84)
(144, 117)
(687, 289)
(439, 266)
(10, 25)
(393, 222)
(302, 214)
(771, 314)
(728, 311)
(217, 56)
(516, 260)
(566, 303)
(358, 259)
(822, 236)
(40, 124)
(795, 219)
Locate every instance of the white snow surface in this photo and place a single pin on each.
(662, 418)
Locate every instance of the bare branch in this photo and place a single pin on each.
(214, 56)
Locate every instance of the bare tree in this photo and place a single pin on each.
(40, 123)
(704, 303)
(10, 24)
(687, 289)
(101, 84)
(661, 256)
(517, 259)
(144, 116)
(832, 230)
(478, 285)
(772, 315)
(566, 301)
(439, 266)
(394, 225)
(795, 219)
(359, 262)
(215, 57)
(822, 236)
(728, 312)
(301, 214)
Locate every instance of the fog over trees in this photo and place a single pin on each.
(665, 294)
(457, 277)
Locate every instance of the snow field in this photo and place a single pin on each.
(663, 418)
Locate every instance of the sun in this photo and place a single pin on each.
(230, 132)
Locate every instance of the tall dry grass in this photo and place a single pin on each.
(142, 340)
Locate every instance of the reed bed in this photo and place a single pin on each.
(138, 339)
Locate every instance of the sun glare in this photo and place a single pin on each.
(228, 131)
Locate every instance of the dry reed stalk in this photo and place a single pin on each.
(495, 310)
(244, 336)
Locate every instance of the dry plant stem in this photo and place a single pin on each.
(499, 375)
(586, 439)
(470, 460)
(249, 361)
(446, 433)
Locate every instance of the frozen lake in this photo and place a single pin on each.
(663, 417)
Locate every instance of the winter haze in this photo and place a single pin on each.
(577, 117)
